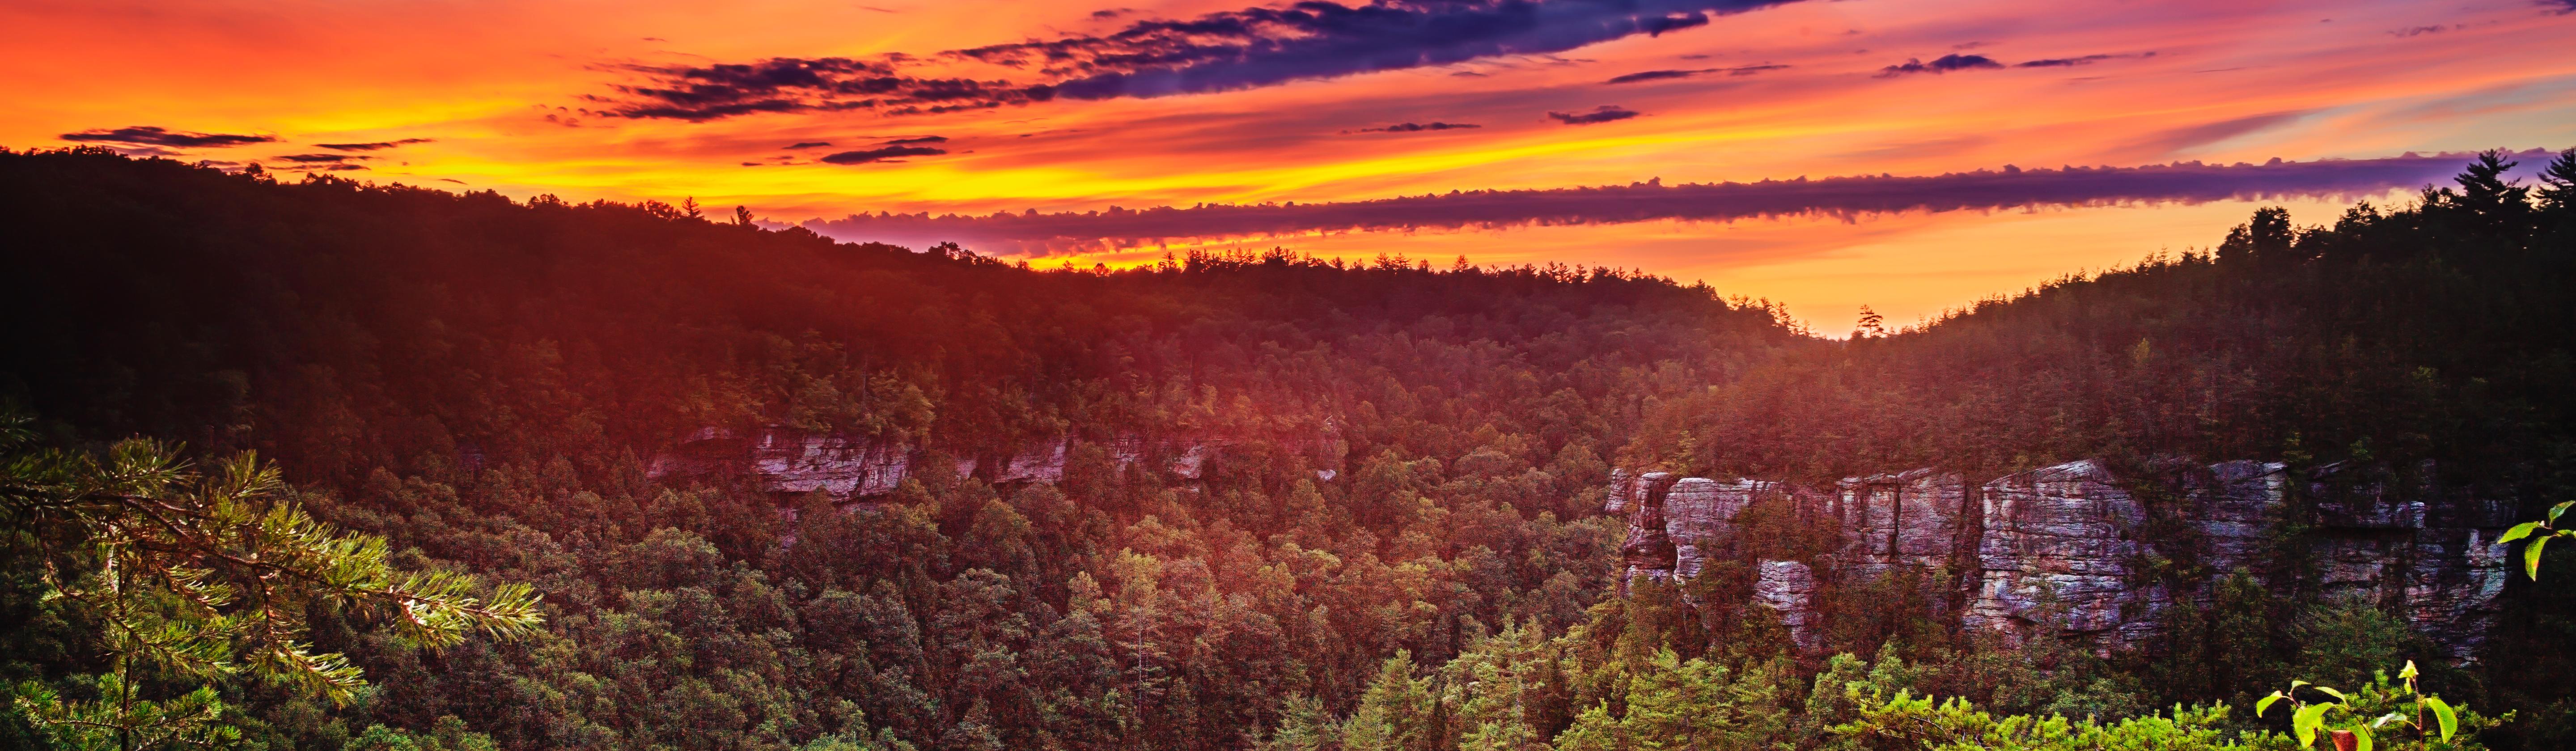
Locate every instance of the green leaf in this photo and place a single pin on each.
(2449, 720)
(2294, 685)
(2307, 721)
(2518, 531)
(2266, 703)
(2361, 734)
(2561, 508)
(2338, 695)
(2387, 718)
(2531, 558)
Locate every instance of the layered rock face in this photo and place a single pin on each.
(2061, 538)
(2431, 552)
(1698, 510)
(1913, 518)
(794, 462)
(791, 462)
(2062, 546)
(1648, 550)
(1790, 588)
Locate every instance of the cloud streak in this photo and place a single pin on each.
(2187, 182)
(1669, 75)
(1606, 113)
(373, 146)
(154, 135)
(1942, 64)
(868, 156)
(1417, 127)
(1222, 51)
(323, 158)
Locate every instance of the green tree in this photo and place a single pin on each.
(195, 578)
(1394, 714)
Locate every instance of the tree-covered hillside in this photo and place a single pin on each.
(486, 383)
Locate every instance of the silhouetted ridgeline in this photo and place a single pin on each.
(782, 492)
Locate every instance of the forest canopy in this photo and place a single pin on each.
(1400, 545)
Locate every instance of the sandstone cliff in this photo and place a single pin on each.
(791, 462)
(2066, 546)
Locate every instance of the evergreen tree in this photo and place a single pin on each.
(200, 578)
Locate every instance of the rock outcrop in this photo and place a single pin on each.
(1698, 510)
(791, 462)
(2057, 546)
(1913, 518)
(2069, 546)
(1789, 587)
(2419, 546)
(1648, 549)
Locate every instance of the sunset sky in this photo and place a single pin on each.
(822, 110)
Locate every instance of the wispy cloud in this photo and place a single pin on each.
(1667, 75)
(2168, 141)
(324, 158)
(2187, 182)
(1416, 127)
(373, 146)
(887, 153)
(154, 135)
(1942, 64)
(1606, 113)
(1222, 51)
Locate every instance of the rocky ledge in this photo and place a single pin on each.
(792, 462)
(2064, 546)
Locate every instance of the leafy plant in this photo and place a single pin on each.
(2308, 719)
(2441, 710)
(2540, 533)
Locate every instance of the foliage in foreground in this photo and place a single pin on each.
(190, 579)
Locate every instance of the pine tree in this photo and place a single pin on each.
(1394, 713)
(2484, 190)
(2558, 191)
(201, 577)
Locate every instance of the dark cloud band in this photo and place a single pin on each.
(1606, 113)
(373, 146)
(1942, 64)
(2190, 182)
(154, 135)
(1417, 127)
(1223, 51)
(866, 156)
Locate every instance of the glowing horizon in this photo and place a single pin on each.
(629, 101)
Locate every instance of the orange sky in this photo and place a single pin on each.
(2245, 80)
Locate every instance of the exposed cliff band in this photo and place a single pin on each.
(2064, 545)
(792, 462)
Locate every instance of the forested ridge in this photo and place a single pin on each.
(483, 382)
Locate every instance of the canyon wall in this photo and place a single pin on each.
(792, 462)
(2069, 546)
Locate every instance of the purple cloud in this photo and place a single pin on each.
(2185, 182)
(373, 146)
(1606, 113)
(1416, 127)
(1942, 64)
(1668, 75)
(1223, 51)
(154, 135)
(866, 156)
